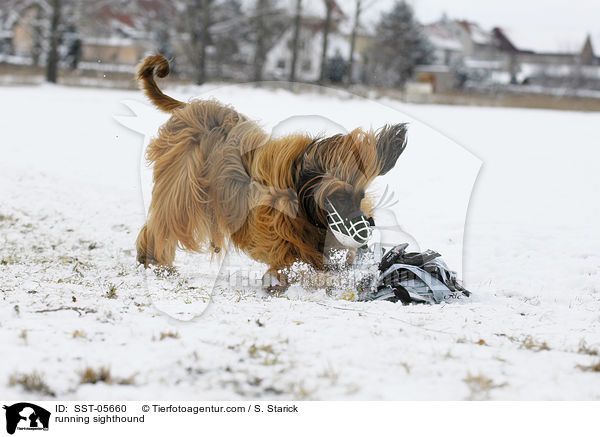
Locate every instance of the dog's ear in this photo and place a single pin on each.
(391, 142)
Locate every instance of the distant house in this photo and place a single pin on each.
(461, 42)
(559, 69)
(107, 35)
(448, 40)
(492, 57)
(439, 78)
(115, 37)
(279, 59)
(20, 32)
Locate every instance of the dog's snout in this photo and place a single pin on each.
(353, 231)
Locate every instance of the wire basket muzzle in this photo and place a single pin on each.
(352, 231)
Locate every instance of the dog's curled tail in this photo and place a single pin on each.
(145, 75)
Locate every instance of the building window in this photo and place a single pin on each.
(281, 64)
(306, 65)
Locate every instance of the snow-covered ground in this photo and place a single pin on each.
(73, 299)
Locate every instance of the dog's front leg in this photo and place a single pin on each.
(275, 282)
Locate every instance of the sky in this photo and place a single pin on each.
(543, 25)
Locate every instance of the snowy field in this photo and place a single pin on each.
(79, 314)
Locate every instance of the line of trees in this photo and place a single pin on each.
(225, 38)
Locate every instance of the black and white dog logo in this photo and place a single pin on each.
(26, 416)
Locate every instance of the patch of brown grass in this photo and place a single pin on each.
(79, 334)
(585, 349)
(531, 344)
(112, 292)
(92, 376)
(480, 386)
(591, 368)
(31, 382)
(164, 335)
(266, 352)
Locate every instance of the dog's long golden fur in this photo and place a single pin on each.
(218, 176)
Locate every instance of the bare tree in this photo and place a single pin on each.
(201, 71)
(211, 34)
(353, 41)
(268, 22)
(329, 4)
(296, 40)
(38, 30)
(360, 7)
(259, 48)
(228, 33)
(195, 34)
(55, 22)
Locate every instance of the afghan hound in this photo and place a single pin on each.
(218, 178)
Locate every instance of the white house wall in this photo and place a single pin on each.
(309, 55)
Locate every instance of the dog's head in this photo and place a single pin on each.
(334, 174)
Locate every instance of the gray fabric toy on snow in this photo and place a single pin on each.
(412, 277)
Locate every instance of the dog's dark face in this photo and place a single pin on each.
(335, 173)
